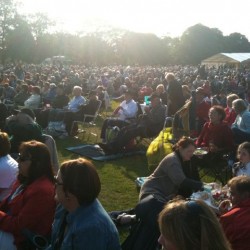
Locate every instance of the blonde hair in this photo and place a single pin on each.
(192, 225)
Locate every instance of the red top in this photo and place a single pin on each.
(230, 116)
(219, 134)
(33, 209)
(236, 225)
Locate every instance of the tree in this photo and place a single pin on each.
(236, 42)
(199, 42)
(20, 41)
(7, 15)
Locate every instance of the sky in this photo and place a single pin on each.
(160, 17)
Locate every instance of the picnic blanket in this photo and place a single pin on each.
(95, 152)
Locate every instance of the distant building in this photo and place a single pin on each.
(230, 59)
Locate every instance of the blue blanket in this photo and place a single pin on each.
(95, 152)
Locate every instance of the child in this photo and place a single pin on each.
(243, 166)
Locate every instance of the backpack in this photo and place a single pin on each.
(159, 148)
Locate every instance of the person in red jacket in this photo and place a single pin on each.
(30, 207)
(236, 221)
(216, 136)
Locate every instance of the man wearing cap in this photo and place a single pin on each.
(149, 125)
(22, 127)
(123, 114)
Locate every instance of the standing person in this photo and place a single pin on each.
(80, 220)
(175, 95)
(30, 207)
(8, 167)
(174, 176)
(235, 218)
(187, 225)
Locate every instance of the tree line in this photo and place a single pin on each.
(29, 39)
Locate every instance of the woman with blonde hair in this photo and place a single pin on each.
(186, 225)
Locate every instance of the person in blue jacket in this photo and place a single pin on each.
(80, 220)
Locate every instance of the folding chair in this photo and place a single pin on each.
(88, 120)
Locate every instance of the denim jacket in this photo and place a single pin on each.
(88, 227)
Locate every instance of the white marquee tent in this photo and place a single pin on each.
(235, 59)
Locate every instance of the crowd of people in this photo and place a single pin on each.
(208, 109)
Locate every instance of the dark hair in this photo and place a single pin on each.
(4, 144)
(81, 179)
(184, 142)
(40, 161)
(220, 110)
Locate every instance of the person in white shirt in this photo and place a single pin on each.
(123, 114)
(34, 101)
(243, 166)
(8, 167)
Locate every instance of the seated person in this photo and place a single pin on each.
(30, 207)
(230, 112)
(87, 109)
(22, 95)
(243, 166)
(22, 127)
(49, 96)
(150, 124)
(216, 136)
(174, 176)
(241, 125)
(8, 94)
(73, 106)
(80, 220)
(59, 102)
(235, 218)
(8, 167)
(186, 218)
(126, 111)
(34, 101)
(160, 90)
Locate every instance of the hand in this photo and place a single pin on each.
(224, 206)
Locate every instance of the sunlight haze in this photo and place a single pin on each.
(161, 17)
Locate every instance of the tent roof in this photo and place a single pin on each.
(228, 58)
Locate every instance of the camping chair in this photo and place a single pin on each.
(220, 171)
(88, 120)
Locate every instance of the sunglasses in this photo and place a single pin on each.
(23, 158)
